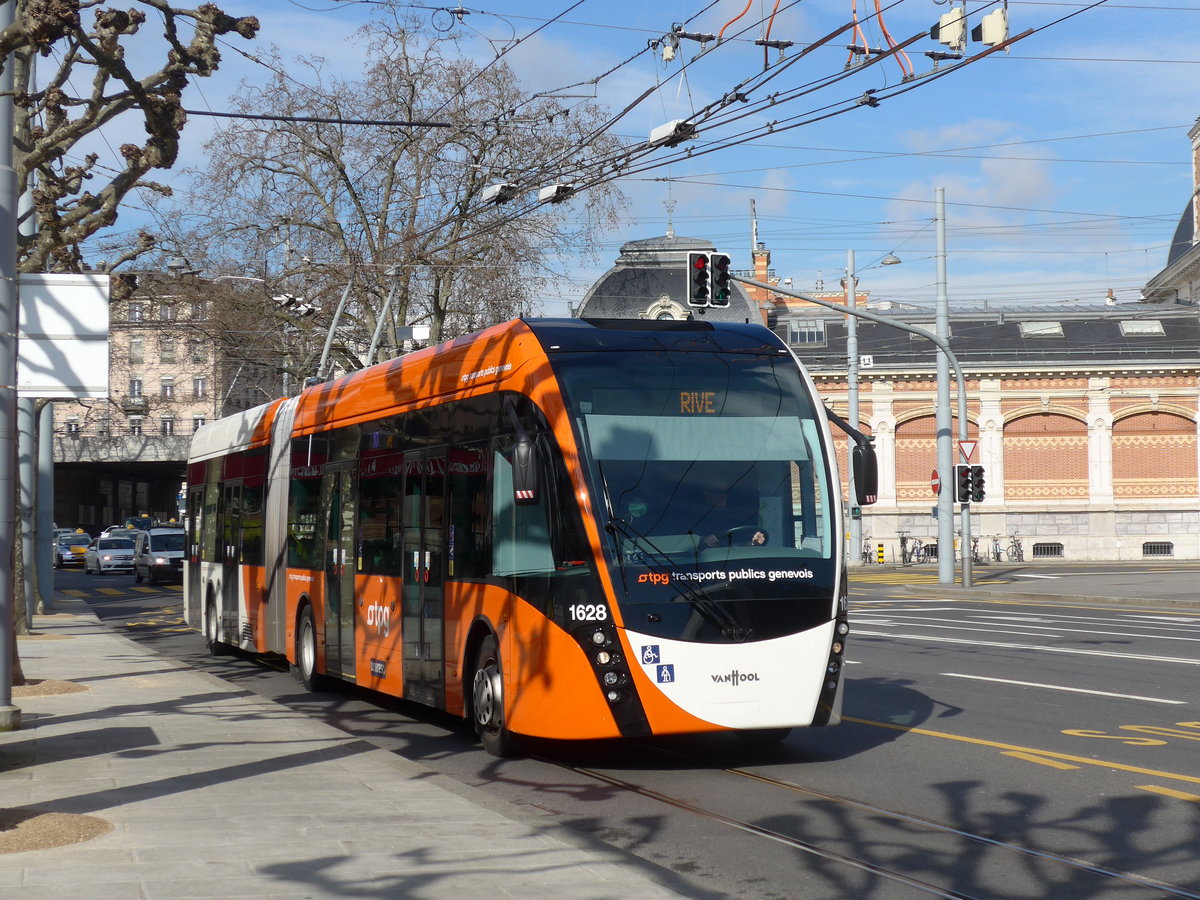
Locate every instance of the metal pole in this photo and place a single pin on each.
(945, 448)
(856, 531)
(10, 716)
(45, 505)
(27, 497)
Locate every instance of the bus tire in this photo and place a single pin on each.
(487, 700)
(212, 630)
(306, 652)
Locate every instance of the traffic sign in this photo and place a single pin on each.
(966, 449)
(935, 482)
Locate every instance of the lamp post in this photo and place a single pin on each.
(852, 362)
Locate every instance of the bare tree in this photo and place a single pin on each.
(91, 84)
(396, 209)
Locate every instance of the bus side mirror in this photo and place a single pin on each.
(524, 473)
(865, 466)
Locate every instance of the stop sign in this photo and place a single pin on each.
(935, 483)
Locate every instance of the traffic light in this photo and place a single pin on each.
(962, 484)
(699, 285)
(721, 288)
(978, 490)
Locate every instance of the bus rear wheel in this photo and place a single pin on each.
(306, 652)
(487, 701)
(212, 630)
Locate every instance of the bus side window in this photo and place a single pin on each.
(520, 534)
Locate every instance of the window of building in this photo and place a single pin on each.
(198, 422)
(199, 387)
(73, 425)
(168, 387)
(1041, 329)
(135, 386)
(811, 333)
(136, 351)
(104, 426)
(136, 312)
(167, 426)
(166, 349)
(135, 426)
(196, 350)
(199, 310)
(1142, 326)
(166, 312)
(928, 326)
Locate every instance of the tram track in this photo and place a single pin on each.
(1100, 876)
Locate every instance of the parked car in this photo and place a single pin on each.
(158, 554)
(69, 549)
(119, 531)
(108, 554)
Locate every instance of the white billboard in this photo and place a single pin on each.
(62, 347)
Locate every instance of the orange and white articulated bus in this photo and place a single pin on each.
(557, 528)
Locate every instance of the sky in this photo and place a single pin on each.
(1064, 159)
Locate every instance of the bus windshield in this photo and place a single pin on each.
(715, 484)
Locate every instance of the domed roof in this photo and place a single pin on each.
(650, 281)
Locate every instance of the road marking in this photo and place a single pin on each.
(1006, 646)
(1040, 760)
(1178, 795)
(1027, 575)
(1016, 748)
(110, 592)
(1059, 687)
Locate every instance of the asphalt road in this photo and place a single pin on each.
(994, 747)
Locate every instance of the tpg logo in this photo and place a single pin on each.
(378, 618)
(654, 578)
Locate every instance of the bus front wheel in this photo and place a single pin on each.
(487, 701)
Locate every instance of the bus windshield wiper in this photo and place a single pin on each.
(658, 562)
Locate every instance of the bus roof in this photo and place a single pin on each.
(514, 350)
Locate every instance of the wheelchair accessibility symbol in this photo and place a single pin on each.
(650, 655)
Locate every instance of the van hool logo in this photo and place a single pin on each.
(735, 677)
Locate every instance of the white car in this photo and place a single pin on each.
(158, 554)
(108, 554)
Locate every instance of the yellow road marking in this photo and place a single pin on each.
(110, 592)
(79, 594)
(1040, 760)
(1178, 795)
(1048, 754)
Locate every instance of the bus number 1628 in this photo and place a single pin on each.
(588, 612)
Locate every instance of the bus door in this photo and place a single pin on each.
(192, 595)
(339, 489)
(421, 591)
(231, 553)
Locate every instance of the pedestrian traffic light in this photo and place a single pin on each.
(962, 484)
(721, 288)
(699, 285)
(978, 490)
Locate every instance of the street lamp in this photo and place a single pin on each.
(852, 387)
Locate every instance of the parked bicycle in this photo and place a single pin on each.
(997, 550)
(1016, 553)
(977, 556)
(916, 551)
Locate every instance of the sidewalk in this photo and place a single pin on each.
(214, 792)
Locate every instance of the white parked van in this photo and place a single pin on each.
(158, 554)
